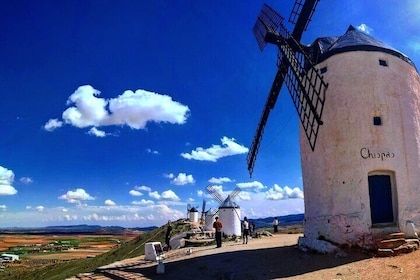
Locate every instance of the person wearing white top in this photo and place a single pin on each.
(276, 224)
(245, 227)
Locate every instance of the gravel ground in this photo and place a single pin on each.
(275, 257)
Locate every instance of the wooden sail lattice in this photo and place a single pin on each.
(305, 84)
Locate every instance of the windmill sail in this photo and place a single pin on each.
(305, 85)
(303, 81)
(215, 194)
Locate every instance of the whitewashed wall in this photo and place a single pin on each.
(335, 176)
(231, 220)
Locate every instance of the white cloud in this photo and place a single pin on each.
(135, 193)
(154, 195)
(255, 185)
(53, 124)
(3, 207)
(170, 175)
(229, 148)
(134, 109)
(143, 202)
(40, 208)
(96, 132)
(143, 188)
(220, 180)
(364, 28)
(150, 151)
(6, 180)
(278, 193)
(76, 196)
(169, 195)
(109, 202)
(26, 180)
(183, 179)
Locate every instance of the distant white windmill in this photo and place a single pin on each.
(192, 213)
(228, 211)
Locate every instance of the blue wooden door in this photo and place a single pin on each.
(380, 193)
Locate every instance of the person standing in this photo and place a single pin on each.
(168, 235)
(252, 229)
(276, 224)
(218, 227)
(245, 227)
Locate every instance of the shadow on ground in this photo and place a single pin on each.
(270, 263)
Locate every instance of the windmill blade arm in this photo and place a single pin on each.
(235, 192)
(301, 16)
(267, 21)
(269, 105)
(306, 87)
(215, 194)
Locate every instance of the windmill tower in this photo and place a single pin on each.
(358, 101)
(192, 213)
(228, 211)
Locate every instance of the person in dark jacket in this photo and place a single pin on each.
(168, 234)
(218, 227)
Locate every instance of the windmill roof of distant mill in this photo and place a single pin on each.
(229, 203)
(353, 40)
(193, 209)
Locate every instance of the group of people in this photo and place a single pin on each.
(247, 229)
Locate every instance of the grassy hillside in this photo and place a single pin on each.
(65, 270)
(130, 249)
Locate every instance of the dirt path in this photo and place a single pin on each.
(275, 257)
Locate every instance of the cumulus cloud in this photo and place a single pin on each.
(76, 196)
(135, 193)
(228, 148)
(150, 151)
(255, 185)
(109, 202)
(170, 175)
(154, 195)
(143, 188)
(278, 193)
(364, 28)
(6, 180)
(169, 195)
(26, 180)
(3, 207)
(220, 180)
(183, 179)
(142, 202)
(40, 208)
(53, 124)
(96, 132)
(133, 109)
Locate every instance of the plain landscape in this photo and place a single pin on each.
(272, 256)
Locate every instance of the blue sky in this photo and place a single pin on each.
(122, 112)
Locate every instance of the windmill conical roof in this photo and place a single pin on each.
(229, 203)
(352, 40)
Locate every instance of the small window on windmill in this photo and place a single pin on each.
(377, 121)
(383, 62)
(323, 70)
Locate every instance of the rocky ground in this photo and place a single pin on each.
(268, 257)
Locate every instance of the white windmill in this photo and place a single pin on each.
(192, 213)
(229, 212)
(358, 101)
